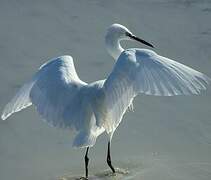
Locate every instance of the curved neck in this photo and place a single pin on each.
(113, 46)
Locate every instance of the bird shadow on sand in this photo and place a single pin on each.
(105, 175)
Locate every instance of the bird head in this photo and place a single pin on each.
(120, 32)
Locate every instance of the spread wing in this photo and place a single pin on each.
(55, 92)
(20, 101)
(144, 71)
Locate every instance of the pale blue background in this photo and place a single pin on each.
(165, 138)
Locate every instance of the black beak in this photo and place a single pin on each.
(139, 39)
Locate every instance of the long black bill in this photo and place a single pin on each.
(139, 39)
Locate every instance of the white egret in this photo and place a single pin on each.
(65, 101)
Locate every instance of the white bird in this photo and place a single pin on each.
(65, 101)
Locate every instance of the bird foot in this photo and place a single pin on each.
(83, 178)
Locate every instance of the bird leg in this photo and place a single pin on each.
(109, 158)
(86, 162)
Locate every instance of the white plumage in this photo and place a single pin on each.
(65, 101)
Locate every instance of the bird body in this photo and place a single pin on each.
(65, 101)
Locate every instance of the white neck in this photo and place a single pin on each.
(113, 46)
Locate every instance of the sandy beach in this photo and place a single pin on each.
(165, 138)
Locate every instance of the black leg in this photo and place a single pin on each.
(109, 159)
(86, 162)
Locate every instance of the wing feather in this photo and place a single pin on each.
(20, 101)
(55, 92)
(143, 71)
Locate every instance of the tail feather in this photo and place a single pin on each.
(84, 139)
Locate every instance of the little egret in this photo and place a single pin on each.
(65, 101)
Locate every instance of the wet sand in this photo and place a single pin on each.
(165, 138)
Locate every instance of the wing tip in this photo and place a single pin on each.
(8, 112)
(208, 80)
(4, 116)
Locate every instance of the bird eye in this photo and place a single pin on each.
(128, 34)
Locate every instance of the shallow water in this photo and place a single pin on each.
(120, 174)
(165, 138)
